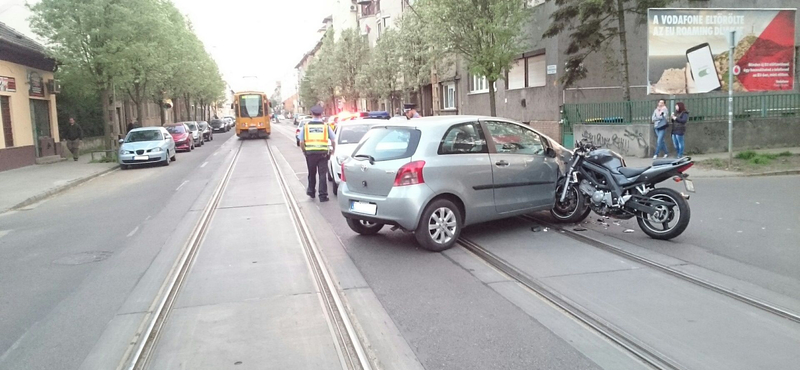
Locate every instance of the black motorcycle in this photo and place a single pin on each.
(597, 180)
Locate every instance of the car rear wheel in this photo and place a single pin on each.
(364, 227)
(439, 226)
(335, 189)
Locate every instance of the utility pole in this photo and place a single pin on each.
(731, 48)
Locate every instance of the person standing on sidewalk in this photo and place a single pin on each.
(314, 141)
(74, 134)
(679, 119)
(660, 124)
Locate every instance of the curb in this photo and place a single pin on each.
(57, 190)
(774, 173)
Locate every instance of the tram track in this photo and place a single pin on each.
(726, 291)
(606, 329)
(144, 341)
(351, 352)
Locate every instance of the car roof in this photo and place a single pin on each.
(435, 121)
(152, 128)
(360, 121)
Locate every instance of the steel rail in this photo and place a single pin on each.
(627, 342)
(349, 347)
(146, 340)
(755, 302)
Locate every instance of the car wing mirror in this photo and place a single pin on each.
(550, 152)
(121, 141)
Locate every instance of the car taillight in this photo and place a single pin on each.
(343, 178)
(410, 174)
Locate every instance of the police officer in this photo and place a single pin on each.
(410, 110)
(314, 142)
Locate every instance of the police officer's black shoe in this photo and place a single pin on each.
(310, 194)
(323, 199)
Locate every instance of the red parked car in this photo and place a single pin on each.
(182, 136)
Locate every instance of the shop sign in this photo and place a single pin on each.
(37, 85)
(8, 84)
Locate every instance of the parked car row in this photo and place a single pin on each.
(146, 145)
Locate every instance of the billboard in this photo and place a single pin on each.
(687, 50)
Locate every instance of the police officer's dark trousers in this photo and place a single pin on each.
(317, 163)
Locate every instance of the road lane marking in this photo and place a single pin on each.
(179, 187)
(203, 165)
(130, 234)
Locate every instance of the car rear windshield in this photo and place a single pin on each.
(216, 122)
(176, 129)
(352, 134)
(389, 143)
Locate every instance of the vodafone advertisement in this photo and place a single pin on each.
(688, 50)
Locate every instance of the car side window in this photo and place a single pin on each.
(514, 139)
(463, 138)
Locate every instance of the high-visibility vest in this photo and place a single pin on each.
(316, 137)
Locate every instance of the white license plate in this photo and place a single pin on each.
(141, 158)
(689, 185)
(363, 207)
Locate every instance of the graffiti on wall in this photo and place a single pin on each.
(628, 141)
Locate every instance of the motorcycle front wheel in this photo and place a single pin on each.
(668, 221)
(574, 208)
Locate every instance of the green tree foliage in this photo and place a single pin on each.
(593, 26)
(144, 48)
(486, 33)
(380, 76)
(350, 52)
(320, 80)
(415, 52)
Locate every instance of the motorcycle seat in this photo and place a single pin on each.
(663, 161)
(632, 171)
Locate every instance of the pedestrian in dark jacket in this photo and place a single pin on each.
(679, 119)
(73, 135)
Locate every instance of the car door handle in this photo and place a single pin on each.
(501, 163)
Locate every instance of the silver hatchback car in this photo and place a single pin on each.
(436, 175)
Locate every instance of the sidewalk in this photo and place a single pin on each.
(27, 185)
(701, 171)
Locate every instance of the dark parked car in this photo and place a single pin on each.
(219, 125)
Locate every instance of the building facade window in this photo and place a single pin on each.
(516, 75)
(449, 95)
(537, 71)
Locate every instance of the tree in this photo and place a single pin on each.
(486, 33)
(593, 25)
(88, 35)
(380, 76)
(350, 52)
(415, 51)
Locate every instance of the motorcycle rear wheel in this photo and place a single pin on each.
(672, 223)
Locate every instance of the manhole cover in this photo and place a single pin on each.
(83, 258)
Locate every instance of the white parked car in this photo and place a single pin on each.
(348, 135)
(146, 145)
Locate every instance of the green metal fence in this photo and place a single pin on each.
(701, 108)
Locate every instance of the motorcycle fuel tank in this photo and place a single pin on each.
(606, 158)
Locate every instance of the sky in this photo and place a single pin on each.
(254, 42)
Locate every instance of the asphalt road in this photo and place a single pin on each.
(56, 296)
(73, 264)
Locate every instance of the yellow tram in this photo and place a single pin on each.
(251, 109)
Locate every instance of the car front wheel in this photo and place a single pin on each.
(439, 226)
